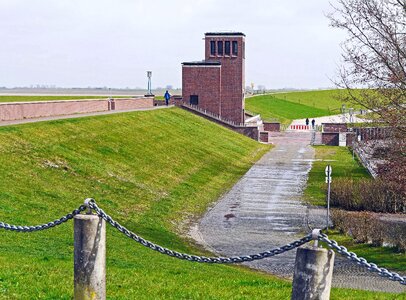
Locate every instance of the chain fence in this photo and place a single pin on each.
(90, 204)
(45, 226)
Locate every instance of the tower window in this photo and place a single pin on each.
(235, 48)
(227, 48)
(220, 47)
(212, 48)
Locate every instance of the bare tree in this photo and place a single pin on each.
(374, 56)
(374, 72)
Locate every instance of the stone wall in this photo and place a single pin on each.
(28, 110)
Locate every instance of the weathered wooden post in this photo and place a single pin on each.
(89, 257)
(313, 273)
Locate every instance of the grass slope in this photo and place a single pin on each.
(49, 98)
(285, 107)
(151, 171)
(273, 108)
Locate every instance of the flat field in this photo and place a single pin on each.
(154, 172)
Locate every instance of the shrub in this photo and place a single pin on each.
(367, 227)
(377, 195)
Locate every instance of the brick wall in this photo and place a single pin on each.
(264, 136)
(205, 82)
(126, 104)
(272, 126)
(330, 138)
(334, 127)
(232, 77)
(27, 110)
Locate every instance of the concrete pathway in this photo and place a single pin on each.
(61, 117)
(341, 118)
(264, 210)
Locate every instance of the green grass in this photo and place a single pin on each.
(154, 172)
(285, 107)
(49, 98)
(272, 108)
(340, 159)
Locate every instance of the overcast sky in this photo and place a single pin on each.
(80, 43)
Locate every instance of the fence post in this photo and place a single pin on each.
(313, 274)
(89, 257)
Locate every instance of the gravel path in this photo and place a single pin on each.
(264, 210)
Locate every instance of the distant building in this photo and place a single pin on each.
(216, 84)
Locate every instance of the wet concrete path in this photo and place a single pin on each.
(264, 210)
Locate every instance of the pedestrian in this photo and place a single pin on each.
(313, 123)
(167, 96)
(307, 121)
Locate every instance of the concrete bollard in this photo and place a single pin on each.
(313, 274)
(89, 257)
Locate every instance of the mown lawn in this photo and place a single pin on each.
(50, 98)
(154, 172)
(343, 165)
(273, 108)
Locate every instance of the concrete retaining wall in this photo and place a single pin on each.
(28, 110)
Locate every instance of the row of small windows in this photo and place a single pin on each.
(223, 50)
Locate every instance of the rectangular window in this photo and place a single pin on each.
(227, 48)
(220, 47)
(194, 100)
(212, 48)
(235, 48)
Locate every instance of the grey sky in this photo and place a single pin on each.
(113, 42)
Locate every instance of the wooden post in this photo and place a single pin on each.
(89, 257)
(313, 274)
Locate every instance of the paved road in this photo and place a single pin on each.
(264, 210)
(61, 117)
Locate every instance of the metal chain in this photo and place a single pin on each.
(361, 261)
(51, 224)
(201, 259)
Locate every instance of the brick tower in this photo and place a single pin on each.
(216, 84)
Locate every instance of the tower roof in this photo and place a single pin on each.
(224, 33)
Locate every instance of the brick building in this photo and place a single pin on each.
(216, 84)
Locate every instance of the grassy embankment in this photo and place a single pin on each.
(340, 158)
(285, 107)
(151, 171)
(50, 98)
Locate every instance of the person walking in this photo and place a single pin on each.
(307, 121)
(313, 123)
(167, 96)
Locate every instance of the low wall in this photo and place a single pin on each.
(264, 136)
(249, 131)
(334, 127)
(272, 126)
(28, 110)
(330, 138)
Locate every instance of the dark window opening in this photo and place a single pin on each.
(220, 47)
(243, 49)
(194, 100)
(227, 48)
(212, 48)
(235, 48)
